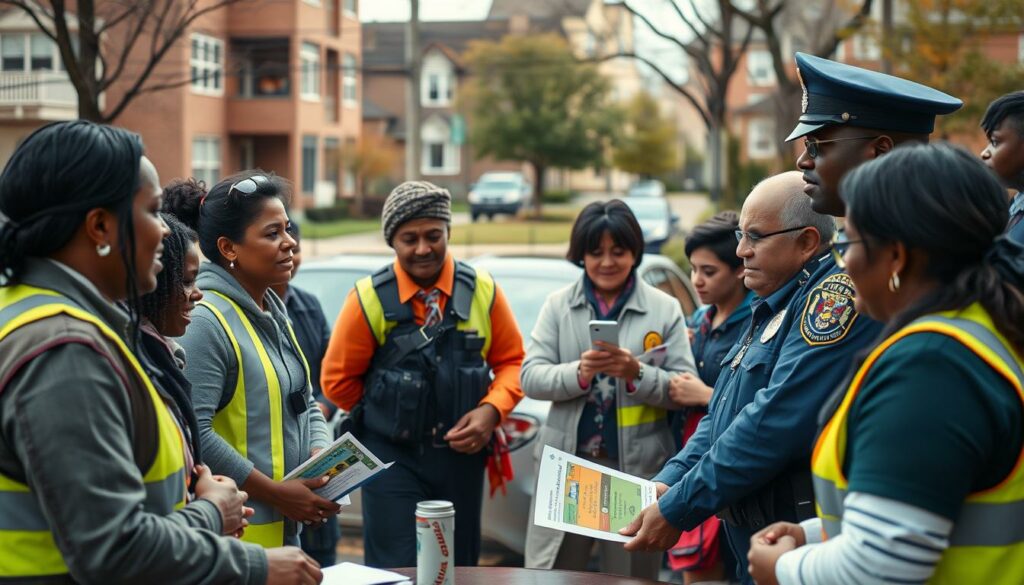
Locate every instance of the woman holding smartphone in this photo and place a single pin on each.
(608, 406)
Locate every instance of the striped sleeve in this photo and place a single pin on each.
(882, 541)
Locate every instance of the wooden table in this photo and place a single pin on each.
(518, 576)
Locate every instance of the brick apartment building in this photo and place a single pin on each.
(268, 84)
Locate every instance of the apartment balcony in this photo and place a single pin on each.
(261, 100)
(37, 95)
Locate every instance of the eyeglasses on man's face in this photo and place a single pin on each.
(754, 238)
(813, 145)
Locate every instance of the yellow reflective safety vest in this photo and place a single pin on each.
(27, 547)
(252, 421)
(382, 321)
(987, 543)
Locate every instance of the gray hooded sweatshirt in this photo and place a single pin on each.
(212, 369)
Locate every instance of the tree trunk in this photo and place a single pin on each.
(715, 146)
(89, 108)
(539, 171)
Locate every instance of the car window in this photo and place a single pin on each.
(526, 295)
(670, 283)
(331, 287)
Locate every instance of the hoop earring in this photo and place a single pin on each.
(894, 282)
(103, 250)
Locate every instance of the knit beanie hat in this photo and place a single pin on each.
(414, 200)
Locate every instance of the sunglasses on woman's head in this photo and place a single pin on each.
(249, 185)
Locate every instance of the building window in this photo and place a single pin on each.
(207, 64)
(761, 138)
(309, 164)
(42, 53)
(310, 82)
(312, 2)
(866, 48)
(349, 81)
(352, 8)
(12, 47)
(438, 80)
(440, 155)
(760, 69)
(206, 159)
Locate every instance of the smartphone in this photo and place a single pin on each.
(606, 331)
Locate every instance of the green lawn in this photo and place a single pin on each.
(512, 232)
(342, 227)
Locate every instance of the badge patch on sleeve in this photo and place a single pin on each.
(829, 312)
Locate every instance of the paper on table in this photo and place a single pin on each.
(353, 574)
(582, 497)
(347, 462)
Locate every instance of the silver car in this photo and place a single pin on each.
(526, 281)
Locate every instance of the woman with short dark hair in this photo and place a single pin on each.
(250, 382)
(917, 471)
(607, 405)
(717, 275)
(92, 465)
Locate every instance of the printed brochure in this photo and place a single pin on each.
(347, 462)
(582, 497)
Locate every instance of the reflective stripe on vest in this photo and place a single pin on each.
(987, 543)
(479, 312)
(26, 539)
(252, 421)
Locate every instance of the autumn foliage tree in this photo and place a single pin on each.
(532, 101)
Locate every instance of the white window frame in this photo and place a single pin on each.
(206, 169)
(436, 64)
(349, 80)
(26, 55)
(313, 2)
(759, 129)
(210, 72)
(437, 131)
(350, 13)
(760, 68)
(310, 71)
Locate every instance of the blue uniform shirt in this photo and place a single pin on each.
(763, 414)
(711, 344)
(1015, 228)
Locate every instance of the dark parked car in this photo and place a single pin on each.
(656, 220)
(526, 281)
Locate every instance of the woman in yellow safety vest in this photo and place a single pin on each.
(92, 465)
(251, 391)
(917, 469)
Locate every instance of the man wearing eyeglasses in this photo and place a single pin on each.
(852, 115)
(749, 459)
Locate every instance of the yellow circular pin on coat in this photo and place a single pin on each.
(651, 340)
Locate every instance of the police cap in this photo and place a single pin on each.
(841, 94)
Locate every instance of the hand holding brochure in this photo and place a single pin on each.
(582, 497)
(346, 461)
(655, 356)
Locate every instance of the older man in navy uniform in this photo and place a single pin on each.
(750, 458)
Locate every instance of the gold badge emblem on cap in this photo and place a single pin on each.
(803, 87)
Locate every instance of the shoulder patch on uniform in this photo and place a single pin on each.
(652, 340)
(829, 312)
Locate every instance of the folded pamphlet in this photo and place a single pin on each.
(347, 462)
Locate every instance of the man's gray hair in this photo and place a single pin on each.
(797, 212)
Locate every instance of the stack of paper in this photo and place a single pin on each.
(353, 574)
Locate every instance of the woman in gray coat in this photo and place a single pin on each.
(607, 405)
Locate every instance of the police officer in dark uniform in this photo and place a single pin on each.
(852, 115)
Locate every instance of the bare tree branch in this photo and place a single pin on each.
(851, 26)
(714, 32)
(30, 10)
(686, 93)
(686, 21)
